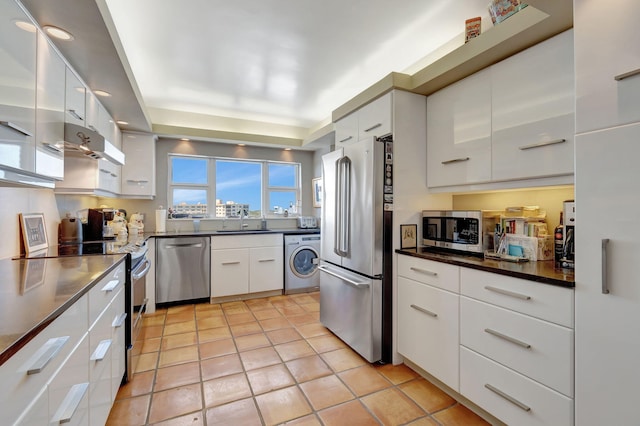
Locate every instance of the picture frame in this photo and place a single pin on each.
(317, 191)
(408, 236)
(34, 232)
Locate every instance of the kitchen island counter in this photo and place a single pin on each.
(36, 291)
(541, 271)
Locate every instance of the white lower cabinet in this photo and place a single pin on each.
(428, 329)
(511, 397)
(244, 264)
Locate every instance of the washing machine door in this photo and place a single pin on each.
(304, 262)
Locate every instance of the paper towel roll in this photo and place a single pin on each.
(161, 220)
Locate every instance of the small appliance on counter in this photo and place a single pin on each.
(307, 222)
(70, 230)
(97, 227)
(568, 237)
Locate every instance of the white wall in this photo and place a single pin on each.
(14, 201)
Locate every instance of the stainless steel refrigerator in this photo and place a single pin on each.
(355, 277)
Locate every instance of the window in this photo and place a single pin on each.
(249, 188)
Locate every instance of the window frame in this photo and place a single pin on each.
(210, 186)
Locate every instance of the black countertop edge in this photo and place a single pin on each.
(541, 271)
(12, 349)
(212, 233)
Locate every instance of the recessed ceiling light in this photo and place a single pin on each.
(27, 26)
(287, 149)
(58, 33)
(184, 139)
(101, 93)
(242, 144)
(124, 123)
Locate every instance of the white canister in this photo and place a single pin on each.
(161, 220)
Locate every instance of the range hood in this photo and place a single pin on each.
(85, 141)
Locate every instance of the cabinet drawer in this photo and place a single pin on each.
(118, 326)
(246, 241)
(428, 329)
(535, 348)
(437, 274)
(100, 354)
(69, 388)
(229, 272)
(547, 302)
(18, 386)
(103, 292)
(515, 399)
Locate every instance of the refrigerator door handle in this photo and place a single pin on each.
(343, 206)
(343, 278)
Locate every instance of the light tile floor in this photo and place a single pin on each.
(265, 362)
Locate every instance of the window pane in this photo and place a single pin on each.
(189, 201)
(188, 170)
(279, 201)
(282, 175)
(238, 188)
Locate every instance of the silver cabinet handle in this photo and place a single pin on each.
(424, 271)
(92, 128)
(231, 263)
(53, 346)
(345, 279)
(114, 175)
(70, 403)
(424, 311)
(15, 128)
(101, 350)
(75, 114)
(104, 171)
(507, 397)
(605, 284)
(621, 77)
(138, 181)
(110, 286)
(456, 160)
(507, 292)
(541, 144)
(346, 139)
(52, 147)
(375, 126)
(266, 260)
(507, 338)
(119, 320)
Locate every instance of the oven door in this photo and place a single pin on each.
(137, 307)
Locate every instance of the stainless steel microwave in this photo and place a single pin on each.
(464, 230)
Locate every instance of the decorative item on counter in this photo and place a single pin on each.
(472, 28)
(34, 232)
(161, 219)
(408, 236)
(502, 9)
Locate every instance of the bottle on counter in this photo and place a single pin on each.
(558, 240)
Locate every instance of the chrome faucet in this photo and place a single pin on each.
(243, 225)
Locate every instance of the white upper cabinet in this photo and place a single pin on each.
(374, 119)
(50, 111)
(459, 132)
(17, 88)
(74, 99)
(139, 170)
(607, 64)
(532, 111)
(92, 112)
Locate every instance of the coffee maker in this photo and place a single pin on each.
(569, 242)
(97, 227)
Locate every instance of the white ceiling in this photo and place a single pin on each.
(289, 62)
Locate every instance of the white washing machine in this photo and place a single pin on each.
(301, 257)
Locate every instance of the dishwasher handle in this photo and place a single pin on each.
(183, 245)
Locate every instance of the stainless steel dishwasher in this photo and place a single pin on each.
(182, 269)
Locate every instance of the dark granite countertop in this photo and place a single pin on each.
(541, 271)
(34, 292)
(214, 233)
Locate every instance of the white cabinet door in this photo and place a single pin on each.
(265, 269)
(108, 176)
(229, 272)
(74, 99)
(139, 170)
(347, 129)
(374, 119)
(607, 325)
(17, 89)
(606, 39)
(532, 111)
(92, 112)
(49, 111)
(428, 329)
(459, 132)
